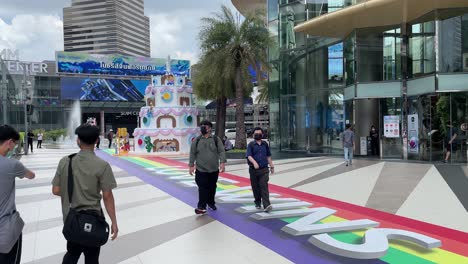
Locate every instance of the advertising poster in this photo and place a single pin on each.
(81, 63)
(103, 90)
(413, 134)
(392, 126)
(363, 146)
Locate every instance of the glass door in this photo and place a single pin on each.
(390, 127)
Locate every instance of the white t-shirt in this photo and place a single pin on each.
(39, 136)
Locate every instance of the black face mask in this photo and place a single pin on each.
(258, 136)
(204, 130)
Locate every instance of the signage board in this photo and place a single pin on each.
(103, 90)
(413, 134)
(392, 126)
(81, 63)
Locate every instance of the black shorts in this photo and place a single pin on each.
(451, 147)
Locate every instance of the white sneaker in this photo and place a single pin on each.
(268, 208)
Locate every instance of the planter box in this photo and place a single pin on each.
(235, 155)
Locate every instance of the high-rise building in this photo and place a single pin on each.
(107, 27)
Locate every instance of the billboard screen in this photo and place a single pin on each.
(96, 89)
(81, 63)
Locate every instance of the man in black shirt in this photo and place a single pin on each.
(30, 140)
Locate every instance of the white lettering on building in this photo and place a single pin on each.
(7, 54)
(19, 67)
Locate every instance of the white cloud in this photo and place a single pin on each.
(37, 37)
(191, 56)
(175, 34)
(36, 28)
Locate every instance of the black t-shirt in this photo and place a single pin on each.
(374, 134)
(30, 136)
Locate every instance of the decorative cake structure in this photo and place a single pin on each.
(168, 124)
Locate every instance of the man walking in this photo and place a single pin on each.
(110, 136)
(30, 140)
(259, 159)
(348, 144)
(11, 224)
(39, 140)
(207, 160)
(91, 176)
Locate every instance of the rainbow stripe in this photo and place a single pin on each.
(454, 248)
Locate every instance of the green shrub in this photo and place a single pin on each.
(55, 134)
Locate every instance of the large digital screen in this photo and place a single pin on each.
(81, 63)
(96, 89)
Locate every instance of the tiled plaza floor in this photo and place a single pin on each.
(155, 199)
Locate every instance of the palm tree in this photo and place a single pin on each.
(231, 46)
(208, 86)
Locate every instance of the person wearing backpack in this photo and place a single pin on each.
(207, 160)
(90, 180)
(260, 165)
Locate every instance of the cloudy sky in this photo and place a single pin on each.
(35, 27)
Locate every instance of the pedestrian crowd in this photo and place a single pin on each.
(82, 180)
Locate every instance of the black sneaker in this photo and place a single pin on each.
(212, 207)
(200, 211)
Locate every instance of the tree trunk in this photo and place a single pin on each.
(221, 117)
(241, 141)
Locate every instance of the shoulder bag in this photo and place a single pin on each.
(87, 227)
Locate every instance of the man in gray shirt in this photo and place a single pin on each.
(207, 159)
(11, 224)
(348, 144)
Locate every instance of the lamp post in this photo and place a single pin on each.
(25, 86)
(4, 87)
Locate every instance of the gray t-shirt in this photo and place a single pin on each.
(348, 139)
(11, 224)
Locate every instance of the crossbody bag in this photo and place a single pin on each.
(87, 227)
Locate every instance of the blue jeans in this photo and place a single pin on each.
(348, 154)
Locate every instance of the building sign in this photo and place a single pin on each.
(13, 65)
(130, 113)
(76, 63)
(392, 126)
(413, 134)
(28, 68)
(103, 90)
(7, 54)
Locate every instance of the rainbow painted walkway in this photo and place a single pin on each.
(171, 177)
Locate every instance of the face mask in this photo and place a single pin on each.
(373, 129)
(204, 130)
(258, 136)
(12, 152)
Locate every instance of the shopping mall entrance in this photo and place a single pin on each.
(438, 119)
(423, 134)
(382, 114)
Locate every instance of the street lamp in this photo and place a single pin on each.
(26, 88)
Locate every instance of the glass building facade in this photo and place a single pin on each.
(409, 80)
